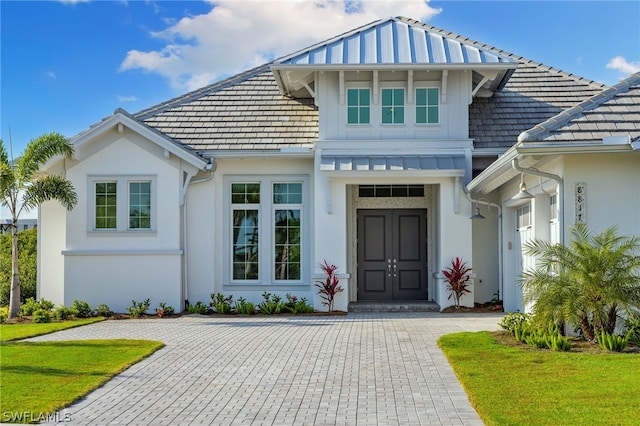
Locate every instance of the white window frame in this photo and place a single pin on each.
(266, 224)
(394, 86)
(122, 204)
(425, 85)
(358, 85)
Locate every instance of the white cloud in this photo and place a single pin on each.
(51, 74)
(621, 64)
(236, 35)
(127, 98)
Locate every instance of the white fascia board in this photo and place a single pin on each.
(144, 131)
(496, 169)
(498, 66)
(574, 147)
(284, 153)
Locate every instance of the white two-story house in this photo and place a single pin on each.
(358, 150)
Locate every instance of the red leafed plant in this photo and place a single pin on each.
(457, 277)
(330, 286)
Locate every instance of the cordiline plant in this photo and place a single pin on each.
(330, 286)
(458, 277)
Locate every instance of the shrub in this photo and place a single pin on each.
(31, 305)
(221, 303)
(27, 263)
(41, 316)
(297, 306)
(511, 320)
(4, 314)
(632, 325)
(137, 309)
(271, 304)
(198, 308)
(103, 310)
(458, 277)
(62, 313)
(83, 308)
(611, 342)
(245, 308)
(330, 287)
(164, 310)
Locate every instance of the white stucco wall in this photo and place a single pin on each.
(454, 116)
(51, 243)
(108, 266)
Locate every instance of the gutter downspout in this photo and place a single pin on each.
(535, 172)
(185, 270)
(500, 242)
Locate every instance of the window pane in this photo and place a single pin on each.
(433, 117)
(352, 97)
(287, 244)
(105, 205)
(398, 114)
(139, 205)
(287, 193)
(364, 115)
(398, 96)
(387, 98)
(245, 193)
(421, 97)
(433, 96)
(387, 115)
(352, 115)
(364, 97)
(421, 115)
(245, 244)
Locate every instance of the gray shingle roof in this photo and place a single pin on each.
(613, 112)
(244, 112)
(247, 111)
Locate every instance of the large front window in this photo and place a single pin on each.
(267, 230)
(287, 200)
(245, 199)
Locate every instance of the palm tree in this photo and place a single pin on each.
(22, 188)
(587, 283)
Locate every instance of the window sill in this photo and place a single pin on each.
(116, 233)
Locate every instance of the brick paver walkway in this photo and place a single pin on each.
(359, 369)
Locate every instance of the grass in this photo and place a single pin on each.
(19, 331)
(509, 385)
(39, 378)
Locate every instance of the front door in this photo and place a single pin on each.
(392, 254)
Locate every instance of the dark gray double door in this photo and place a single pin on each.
(392, 254)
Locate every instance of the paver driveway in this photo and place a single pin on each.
(359, 369)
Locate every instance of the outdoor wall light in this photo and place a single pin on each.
(476, 213)
(523, 194)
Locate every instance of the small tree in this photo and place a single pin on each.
(330, 287)
(22, 188)
(587, 283)
(458, 277)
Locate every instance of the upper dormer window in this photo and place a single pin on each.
(358, 106)
(392, 106)
(427, 105)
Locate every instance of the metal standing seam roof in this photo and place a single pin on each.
(247, 112)
(394, 41)
(613, 112)
(392, 162)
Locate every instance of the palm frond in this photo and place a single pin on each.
(49, 188)
(38, 152)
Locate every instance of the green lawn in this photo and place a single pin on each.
(39, 378)
(19, 331)
(515, 386)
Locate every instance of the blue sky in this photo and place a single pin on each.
(67, 64)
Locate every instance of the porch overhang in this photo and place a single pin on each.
(452, 165)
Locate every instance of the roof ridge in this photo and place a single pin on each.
(194, 94)
(518, 58)
(563, 118)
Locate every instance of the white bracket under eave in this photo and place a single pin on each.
(479, 86)
(445, 76)
(456, 196)
(341, 86)
(329, 199)
(410, 87)
(375, 87)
